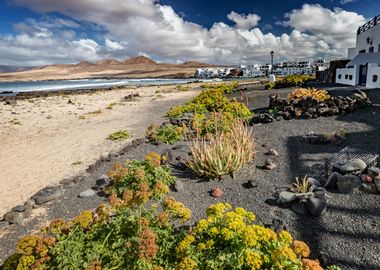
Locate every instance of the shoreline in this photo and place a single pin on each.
(53, 138)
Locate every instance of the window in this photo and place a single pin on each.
(378, 49)
(346, 77)
(340, 76)
(374, 78)
(371, 49)
(362, 51)
(350, 77)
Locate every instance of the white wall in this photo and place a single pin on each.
(361, 41)
(373, 69)
(345, 74)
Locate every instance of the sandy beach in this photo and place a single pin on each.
(45, 140)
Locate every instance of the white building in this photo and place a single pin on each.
(253, 71)
(295, 70)
(364, 68)
(213, 72)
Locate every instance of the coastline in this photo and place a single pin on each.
(55, 137)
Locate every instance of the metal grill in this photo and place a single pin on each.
(346, 155)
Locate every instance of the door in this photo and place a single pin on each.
(363, 74)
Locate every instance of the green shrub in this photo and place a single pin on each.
(270, 85)
(222, 153)
(133, 174)
(119, 135)
(290, 81)
(169, 134)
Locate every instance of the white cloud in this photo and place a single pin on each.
(133, 27)
(243, 21)
(343, 2)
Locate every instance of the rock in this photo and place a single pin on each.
(269, 165)
(316, 206)
(313, 181)
(286, 116)
(324, 111)
(370, 188)
(14, 217)
(167, 154)
(312, 111)
(348, 183)
(177, 147)
(178, 186)
(286, 197)
(70, 101)
(320, 194)
(332, 180)
(307, 115)
(49, 117)
(87, 193)
(376, 181)
(251, 184)
(263, 118)
(354, 165)
(28, 212)
(4, 225)
(31, 203)
(11, 102)
(48, 194)
(19, 208)
(374, 171)
(102, 181)
(299, 208)
(272, 152)
(216, 192)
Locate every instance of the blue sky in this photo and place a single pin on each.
(36, 32)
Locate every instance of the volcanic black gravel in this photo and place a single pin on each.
(347, 235)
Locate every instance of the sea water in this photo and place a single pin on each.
(15, 87)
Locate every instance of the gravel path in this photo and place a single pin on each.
(347, 235)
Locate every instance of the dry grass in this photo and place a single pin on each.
(300, 186)
(222, 153)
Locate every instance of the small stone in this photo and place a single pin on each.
(354, 165)
(314, 182)
(299, 208)
(49, 117)
(4, 225)
(178, 186)
(316, 206)
(177, 147)
(28, 212)
(251, 184)
(13, 217)
(19, 208)
(103, 181)
(87, 193)
(216, 192)
(31, 203)
(48, 194)
(286, 197)
(272, 152)
(70, 102)
(269, 165)
(11, 102)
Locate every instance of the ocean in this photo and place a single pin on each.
(16, 87)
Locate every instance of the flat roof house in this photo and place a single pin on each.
(364, 68)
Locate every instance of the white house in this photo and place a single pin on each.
(212, 72)
(364, 68)
(253, 71)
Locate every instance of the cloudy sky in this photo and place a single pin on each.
(39, 32)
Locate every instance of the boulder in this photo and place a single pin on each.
(48, 194)
(370, 188)
(348, 183)
(14, 217)
(374, 171)
(102, 181)
(354, 165)
(286, 197)
(316, 206)
(332, 180)
(313, 181)
(299, 208)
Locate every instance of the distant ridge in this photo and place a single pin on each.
(110, 62)
(139, 60)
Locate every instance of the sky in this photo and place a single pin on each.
(41, 32)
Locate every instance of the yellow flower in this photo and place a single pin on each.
(284, 253)
(285, 237)
(185, 244)
(187, 264)
(201, 225)
(227, 234)
(311, 265)
(214, 231)
(253, 260)
(210, 244)
(202, 246)
(25, 262)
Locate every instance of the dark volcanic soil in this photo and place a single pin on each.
(347, 235)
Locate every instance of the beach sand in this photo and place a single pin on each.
(45, 140)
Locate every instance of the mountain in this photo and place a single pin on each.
(13, 68)
(108, 62)
(139, 60)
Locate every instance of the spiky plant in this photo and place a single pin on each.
(300, 186)
(222, 153)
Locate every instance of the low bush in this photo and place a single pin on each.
(227, 88)
(169, 134)
(316, 94)
(137, 175)
(222, 153)
(290, 81)
(119, 135)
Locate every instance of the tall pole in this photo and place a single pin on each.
(271, 61)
